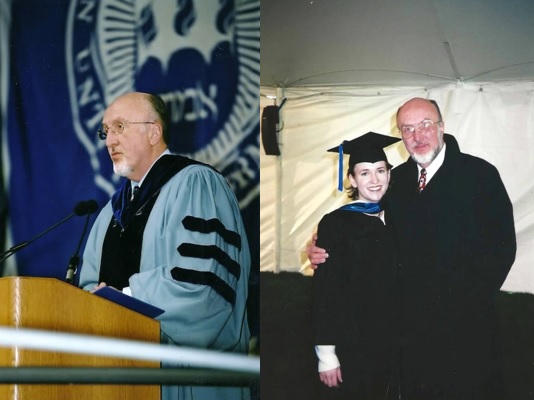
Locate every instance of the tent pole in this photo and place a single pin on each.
(279, 176)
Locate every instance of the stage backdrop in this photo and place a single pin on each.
(494, 121)
(64, 61)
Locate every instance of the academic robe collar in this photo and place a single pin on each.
(367, 208)
(164, 169)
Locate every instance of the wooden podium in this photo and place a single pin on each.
(50, 304)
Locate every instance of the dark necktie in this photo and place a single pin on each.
(422, 180)
(134, 192)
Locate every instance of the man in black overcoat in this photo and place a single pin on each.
(456, 241)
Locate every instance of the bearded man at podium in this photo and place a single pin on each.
(171, 236)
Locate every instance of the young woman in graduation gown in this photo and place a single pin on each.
(354, 296)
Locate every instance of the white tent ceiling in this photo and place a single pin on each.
(395, 42)
(344, 67)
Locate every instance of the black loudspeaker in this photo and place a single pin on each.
(269, 137)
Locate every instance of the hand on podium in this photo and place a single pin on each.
(101, 285)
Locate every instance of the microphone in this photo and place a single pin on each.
(85, 207)
(80, 209)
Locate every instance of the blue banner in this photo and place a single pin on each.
(67, 60)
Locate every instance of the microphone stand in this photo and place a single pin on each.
(5, 255)
(75, 258)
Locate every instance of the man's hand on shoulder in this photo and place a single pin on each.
(316, 255)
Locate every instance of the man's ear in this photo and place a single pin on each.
(156, 134)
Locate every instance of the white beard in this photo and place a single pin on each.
(122, 169)
(425, 158)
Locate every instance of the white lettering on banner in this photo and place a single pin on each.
(203, 105)
(85, 11)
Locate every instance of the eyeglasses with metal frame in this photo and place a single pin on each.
(425, 127)
(117, 127)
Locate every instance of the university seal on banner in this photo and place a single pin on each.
(200, 56)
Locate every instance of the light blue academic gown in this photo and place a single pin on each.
(196, 315)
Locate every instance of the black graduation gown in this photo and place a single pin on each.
(456, 244)
(353, 300)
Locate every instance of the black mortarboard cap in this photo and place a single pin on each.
(366, 148)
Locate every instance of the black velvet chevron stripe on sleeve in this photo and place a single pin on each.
(206, 252)
(212, 225)
(205, 278)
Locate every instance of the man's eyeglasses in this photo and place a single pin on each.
(425, 127)
(117, 127)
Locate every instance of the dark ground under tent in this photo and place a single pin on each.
(288, 364)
